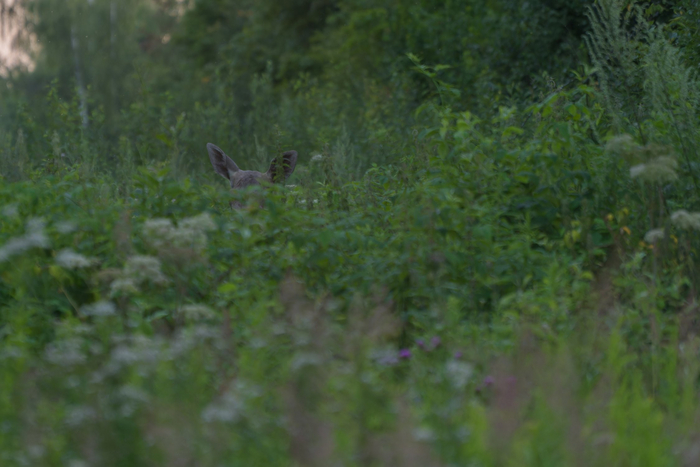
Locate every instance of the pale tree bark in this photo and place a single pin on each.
(113, 48)
(82, 94)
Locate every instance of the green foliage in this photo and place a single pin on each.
(473, 264)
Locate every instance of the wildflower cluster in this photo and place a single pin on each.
(686, 220)
(196, 312)
(651, 163)
(654, 236)
(69, 259)
(34, 237)
(137, 271)
(190, 233)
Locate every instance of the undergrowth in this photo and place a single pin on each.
(511, 290)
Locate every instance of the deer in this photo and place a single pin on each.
(239, 179)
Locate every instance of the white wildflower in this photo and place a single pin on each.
(69, 259)
(637, 170)
(131, 398)
(196, 312)
(305, 359)
(203, 222)
(459, 373)
(188, 238)
(620, 144)
(65, 352)
(36, 451)
(157, 231)
(659, 169)
(140, 353)
(654, 235)
(228, 409)
(686, 220)
(133, 393)
(144, 269)
(231, 406)
(423, 433)
(101, 308)
(190, 232)
(10, 210)
(13, 247)
(387, 356)
(317, 158)
(66, 227)
(125, 285)
(77, 415)
(34, 237)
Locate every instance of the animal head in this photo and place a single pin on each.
(280, 169)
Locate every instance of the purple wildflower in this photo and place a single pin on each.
(405, 353)
(458, 355)
(420, 343)
(435, 341)
(488, 381)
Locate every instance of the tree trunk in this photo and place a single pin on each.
(82, 94)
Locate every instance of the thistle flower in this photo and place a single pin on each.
(405, 354)
(686, 220)
(654, 236)
(69, 259)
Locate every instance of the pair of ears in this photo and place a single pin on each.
(224, 165)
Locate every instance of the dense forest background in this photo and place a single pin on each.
(486, 255)
(162, 73)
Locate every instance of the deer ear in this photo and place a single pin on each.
(223, 164)
(280, 174)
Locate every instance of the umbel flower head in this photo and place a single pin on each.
(650, 163)
(189, 234)
(69, 259)
(622, 145)
(34, 237)
(659, 169)
(686, 220)
(137, 271)
(654, 236)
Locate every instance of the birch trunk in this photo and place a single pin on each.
(82, 94)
